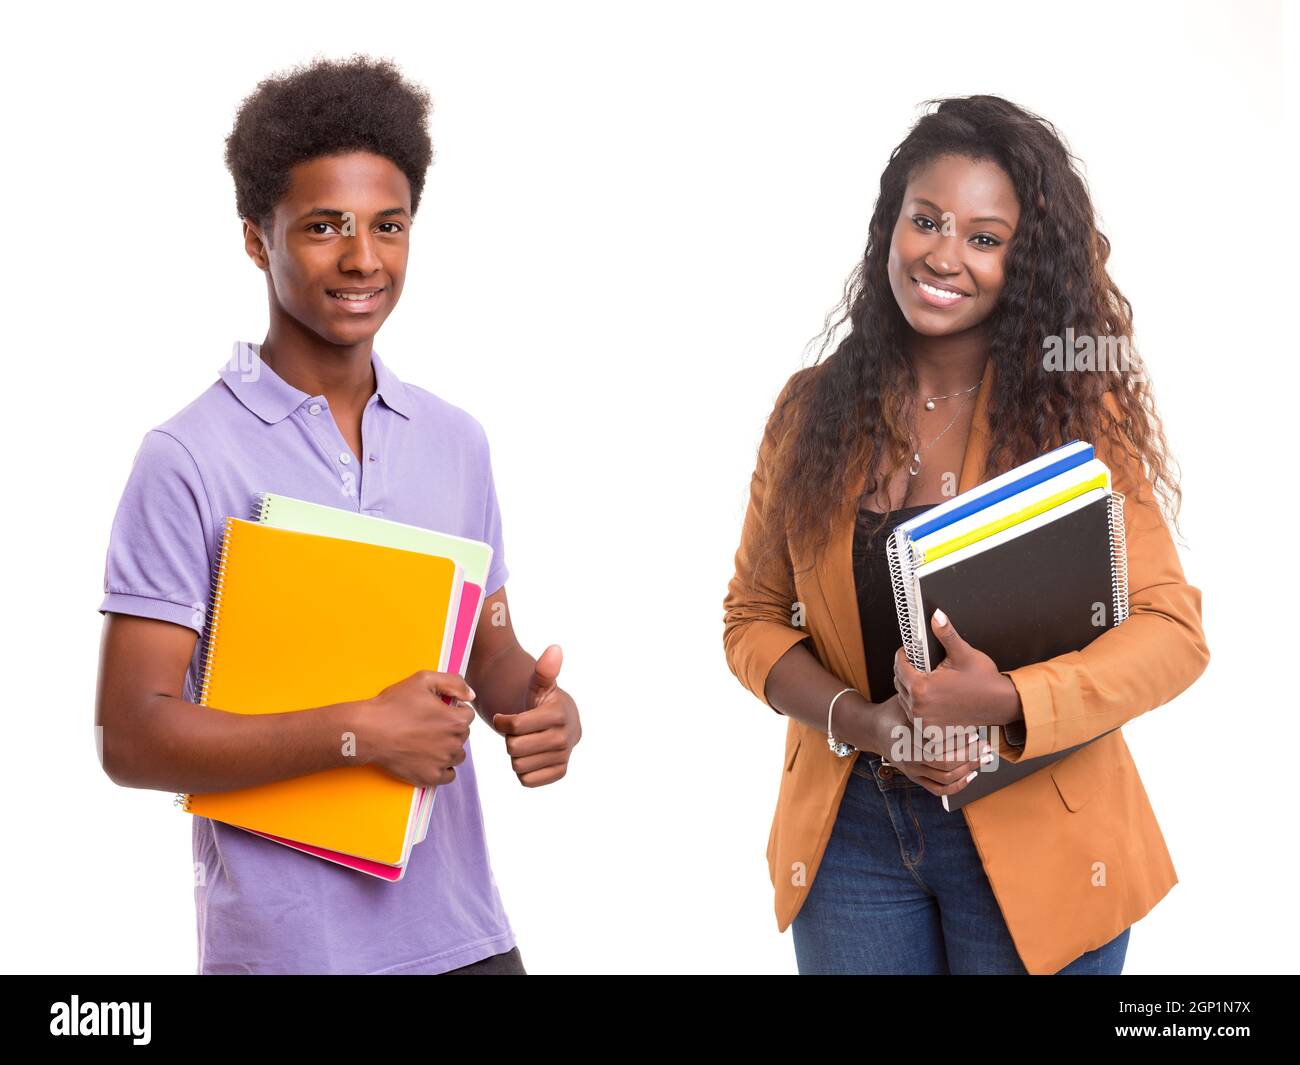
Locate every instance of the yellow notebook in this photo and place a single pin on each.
(301, 621)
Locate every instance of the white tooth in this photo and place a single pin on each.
(941, 293)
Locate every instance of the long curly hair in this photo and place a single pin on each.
(850, 412)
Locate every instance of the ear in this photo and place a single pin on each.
(256, 244)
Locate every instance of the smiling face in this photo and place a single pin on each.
(338, 274)
(947, 255)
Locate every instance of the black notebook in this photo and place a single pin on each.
(1031, 591)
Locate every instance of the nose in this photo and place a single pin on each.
(942, 264)
(360, 254)
(945, 259)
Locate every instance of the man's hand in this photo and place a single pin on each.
(417, 728)
(964, 689)
(540, 738)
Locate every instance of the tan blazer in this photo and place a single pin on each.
(1073, 852)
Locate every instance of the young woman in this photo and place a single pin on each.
(329, 164)
(982, 250)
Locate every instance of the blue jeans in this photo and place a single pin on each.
(901, 889)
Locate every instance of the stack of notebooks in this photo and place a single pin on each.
(312, 605)
(1029, 565)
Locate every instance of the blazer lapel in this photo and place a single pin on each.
(834, 569)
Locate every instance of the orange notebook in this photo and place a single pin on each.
(300, 621)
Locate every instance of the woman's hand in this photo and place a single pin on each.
(964, 689)
(943, 764)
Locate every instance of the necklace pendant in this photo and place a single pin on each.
(915, 468)
(929, 404)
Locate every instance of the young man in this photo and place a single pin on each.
(329, 163)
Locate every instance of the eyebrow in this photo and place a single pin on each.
(330, 212)
(981, 218)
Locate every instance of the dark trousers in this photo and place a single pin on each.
(508, 964)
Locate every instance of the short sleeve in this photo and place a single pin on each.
(498, 573)
(158, 563)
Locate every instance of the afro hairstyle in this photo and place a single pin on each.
(327, 107)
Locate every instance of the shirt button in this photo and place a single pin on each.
(344, 457)
(314, 409)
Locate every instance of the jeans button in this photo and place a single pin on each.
(887, 771)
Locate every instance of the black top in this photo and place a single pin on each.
(880, 636)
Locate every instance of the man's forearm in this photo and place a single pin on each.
(176, 745)
(501, 683)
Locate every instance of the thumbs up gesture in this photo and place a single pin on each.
(540, 738)
(964, 689)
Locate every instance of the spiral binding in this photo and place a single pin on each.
(214, 614)
(210, 632)
(902, 575)
(261, 506)
(1118, 556)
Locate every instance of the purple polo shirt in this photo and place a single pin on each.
(263, 907)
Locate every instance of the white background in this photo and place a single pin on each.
(638, 217)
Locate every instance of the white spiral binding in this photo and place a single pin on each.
(210, 631)
(1118, 557)
(261, 506)
(902, 574)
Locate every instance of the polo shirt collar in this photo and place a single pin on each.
(272, 398)
(390, 389)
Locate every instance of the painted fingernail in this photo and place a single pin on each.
(973, 775)
(940, 617)
(986, 759)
